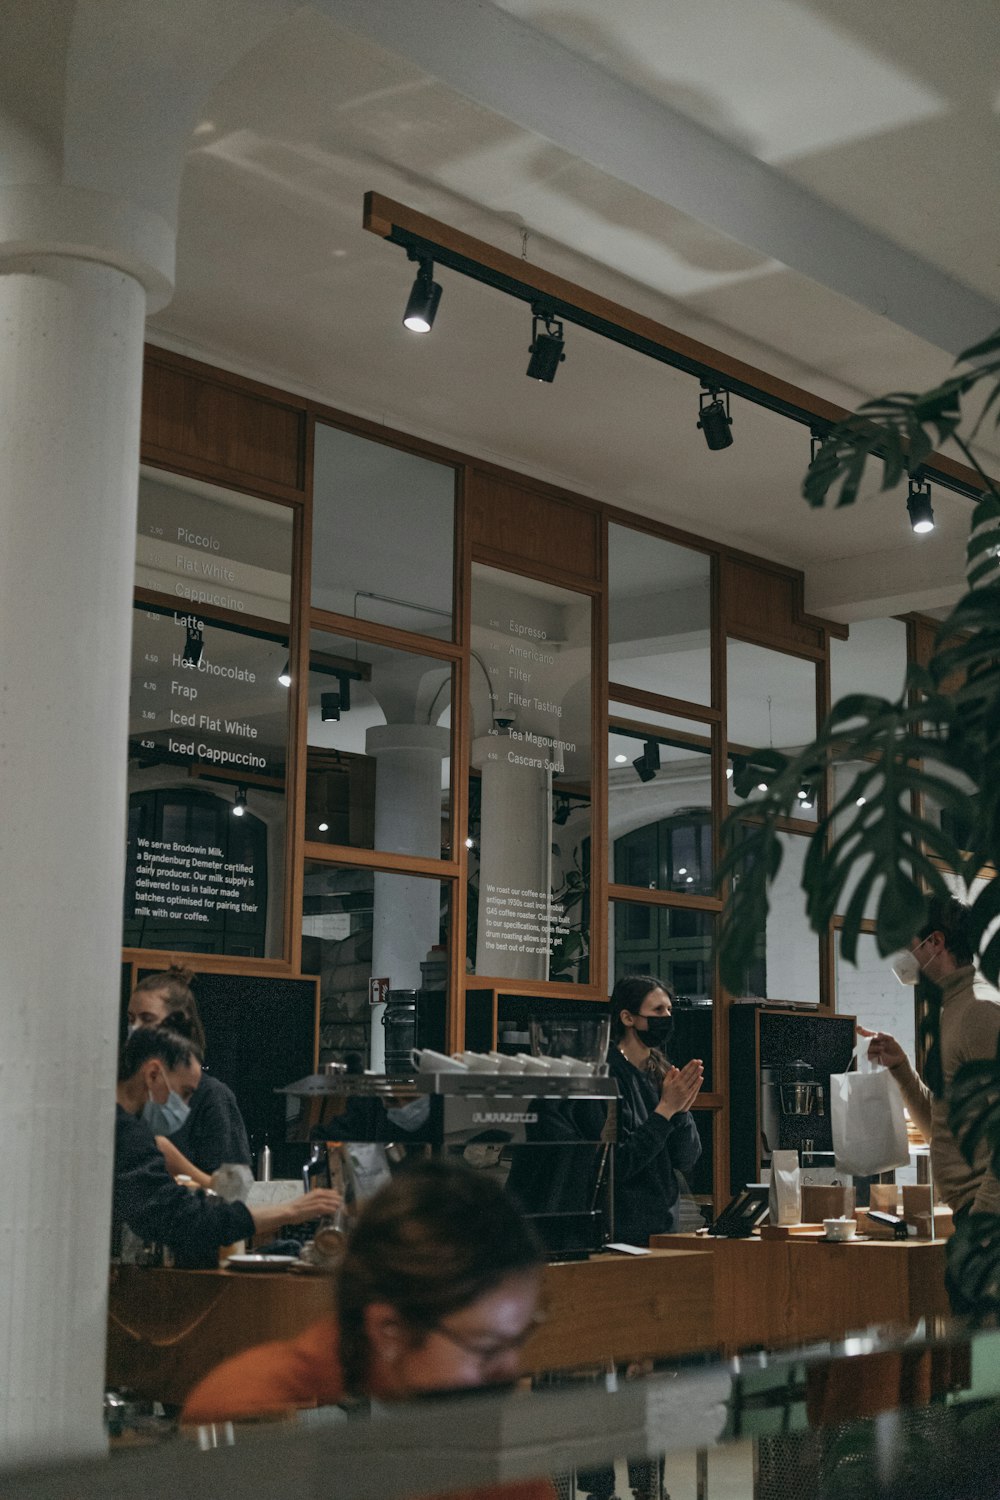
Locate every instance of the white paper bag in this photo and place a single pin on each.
(785, 1194)
(866, 1117)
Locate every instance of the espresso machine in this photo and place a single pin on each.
(547, 1139)
(789, 1092)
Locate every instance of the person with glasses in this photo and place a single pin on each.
(438, 1291)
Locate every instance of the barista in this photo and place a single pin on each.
(161, 1065)
(207, 1129)
(657, 1136)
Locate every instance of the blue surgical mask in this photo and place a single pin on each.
(412, 1115)
(165, 1119)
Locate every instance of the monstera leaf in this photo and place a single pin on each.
(973, 1265)
(874, 853)
(974, 1109)
(974, 1248)
(870, 851)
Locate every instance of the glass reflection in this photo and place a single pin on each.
(379, 756)
(208, 720)
(529, 796)
(359, 925)
(659, 807)
(383, 533)
(659, 615)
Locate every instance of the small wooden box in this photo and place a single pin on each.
(916, 1201)
(826, 1201)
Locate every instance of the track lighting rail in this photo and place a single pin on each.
(426, 239)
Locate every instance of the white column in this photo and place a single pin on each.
(407, 912)
(71, 336)
(514, 863)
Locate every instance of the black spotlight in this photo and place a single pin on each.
(240, 802)
(648, 763)
(330, 706)
(285, 675)
(546, 349)
(918, 504)
(713, 417)
(193, 647)
(806, 796)
(422, 306)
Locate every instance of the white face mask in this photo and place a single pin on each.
(906, 966)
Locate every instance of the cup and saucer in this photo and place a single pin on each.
(839, 1231)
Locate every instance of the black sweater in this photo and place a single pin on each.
(213, 1132)
(649, 1150)
(155, 1207)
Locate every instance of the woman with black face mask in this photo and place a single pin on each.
(657, 1136)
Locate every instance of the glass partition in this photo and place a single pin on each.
(871, 660)
(530, 791)
(359, 926)
(208, 721)
(659, 805)
(383, 533)
(379, 738)
(771, 698)
(659, 615)
(871, 991)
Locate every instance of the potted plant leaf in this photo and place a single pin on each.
(876, 853)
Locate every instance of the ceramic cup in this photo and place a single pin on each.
(426, 1061)
(840, 1229)
(478, 1062)
(577, 1067)
(513, 1064)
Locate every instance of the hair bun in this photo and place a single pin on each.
(180, 1022)
(181, 974)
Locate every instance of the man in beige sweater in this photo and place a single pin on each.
(968, 1030)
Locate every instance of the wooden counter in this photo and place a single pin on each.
(166, 1329)
(776, 1293)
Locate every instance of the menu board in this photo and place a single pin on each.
(532, 749)
(208, 722)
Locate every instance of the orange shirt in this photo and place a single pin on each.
(284, 1376)
(272, 1379)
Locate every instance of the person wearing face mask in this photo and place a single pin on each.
(207, 1129)
(657, 1136)
(963, 1026)
(164, 1068)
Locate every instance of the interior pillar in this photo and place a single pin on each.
(407, 911)
(71, 333)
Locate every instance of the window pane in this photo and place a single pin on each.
(771, 704)
(792, 947)
(659, 808)
(208, 721)
(871, 660)
(529, 794)
(206, 548)
(379, 766)
(872, 992)
(771, 698)
(677, 946)
(359, 924)
(383, 533)
(659, 615)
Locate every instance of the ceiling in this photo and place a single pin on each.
(844, 136)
